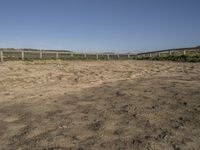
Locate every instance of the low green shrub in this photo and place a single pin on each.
(182, 58)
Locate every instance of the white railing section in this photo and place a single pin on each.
(21, 54)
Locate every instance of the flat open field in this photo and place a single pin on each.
(112, 105)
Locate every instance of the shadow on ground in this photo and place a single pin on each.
(146, 113)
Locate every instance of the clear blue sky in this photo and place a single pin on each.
(100, 25)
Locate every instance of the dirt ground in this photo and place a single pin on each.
(89, 105)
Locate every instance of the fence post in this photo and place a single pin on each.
(85, 55)
(1, 53)
(57, 55)
(128, 56)
(159, 54)
(22, 54)
(40, 54)
(97, 57)
(108, 56)
(72, 55)
(170, 53)
(118, 56)
(184, 52)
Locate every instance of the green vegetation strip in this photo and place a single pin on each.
(182, 58)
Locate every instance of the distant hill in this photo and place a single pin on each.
(31, 49)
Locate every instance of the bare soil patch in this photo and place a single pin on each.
(67, 105)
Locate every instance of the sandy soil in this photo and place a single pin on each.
(112, 105)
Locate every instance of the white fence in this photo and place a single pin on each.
(47, 54)
(39, 54)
